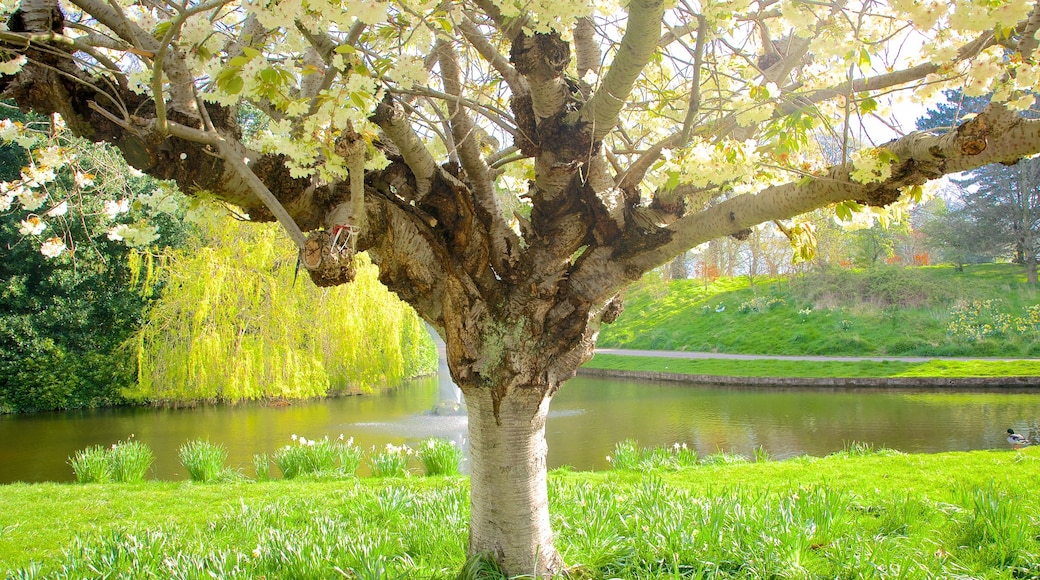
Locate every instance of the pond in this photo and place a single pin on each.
(588, 417)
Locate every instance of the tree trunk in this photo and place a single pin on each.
(509, 502)
(1029, 261)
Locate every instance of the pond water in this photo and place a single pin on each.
(588, 417)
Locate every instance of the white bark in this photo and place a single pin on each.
(637, 46)
(509, 513)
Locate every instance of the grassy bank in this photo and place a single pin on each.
(984, 311)
(856, 514)
(770, 368)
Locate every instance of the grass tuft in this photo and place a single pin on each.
(124, 462)
(130, 461)
(203, 460)
(439, 456)
(391, 461)
(91, 465)
(318, 457)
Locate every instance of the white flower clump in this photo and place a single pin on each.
(136, 236)
(114, 208)
(705, 163)
(31, 226)
(871, 165)
(53, 247)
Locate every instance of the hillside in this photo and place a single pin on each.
(984, 310)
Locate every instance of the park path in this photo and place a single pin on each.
(815, 358)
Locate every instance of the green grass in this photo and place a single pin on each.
(203, 460)
(439, 456)
(824, 369)
(878, 311)
(861, 513)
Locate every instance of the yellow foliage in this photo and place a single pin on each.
(233, 323)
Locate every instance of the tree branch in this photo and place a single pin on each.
(637, 46)
(235, 155)
(995, 136)
(479, 42)
(1027, 45)
(393, 121)
(465, 132)
(182, 95)
(586, 52)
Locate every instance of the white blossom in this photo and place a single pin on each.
(53, 247)
(58, 210)
(114, 208)
(31, 200)
(32, 226)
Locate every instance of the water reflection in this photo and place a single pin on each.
(589, 416)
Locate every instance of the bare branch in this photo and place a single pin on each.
(182, 97)
(586, 52)
(480, 43)
(465, 133)
(695, 82)
(463, 129)
(1027, 45)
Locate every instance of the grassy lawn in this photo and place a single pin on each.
(984, 311)
(814, 369)
(862, 513)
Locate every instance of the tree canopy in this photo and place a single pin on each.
(511, 166)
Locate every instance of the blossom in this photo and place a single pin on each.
(53, 247)
(31, 201)
(31, 226)
(84, 179)
(134, 236)
(114, 208)
(58, 210)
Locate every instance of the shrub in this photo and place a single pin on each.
(130, 461)
(440, 456)
(91, 465)
(392, 461)
(203, 460)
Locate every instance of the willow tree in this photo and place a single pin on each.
(510, 166)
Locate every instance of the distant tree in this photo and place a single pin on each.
(996, 208)
(679, 268)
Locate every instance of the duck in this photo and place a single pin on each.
(1016, 440)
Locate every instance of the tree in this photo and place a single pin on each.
(510, 167)
(67, 314)
(997, 208)
(229, 326)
